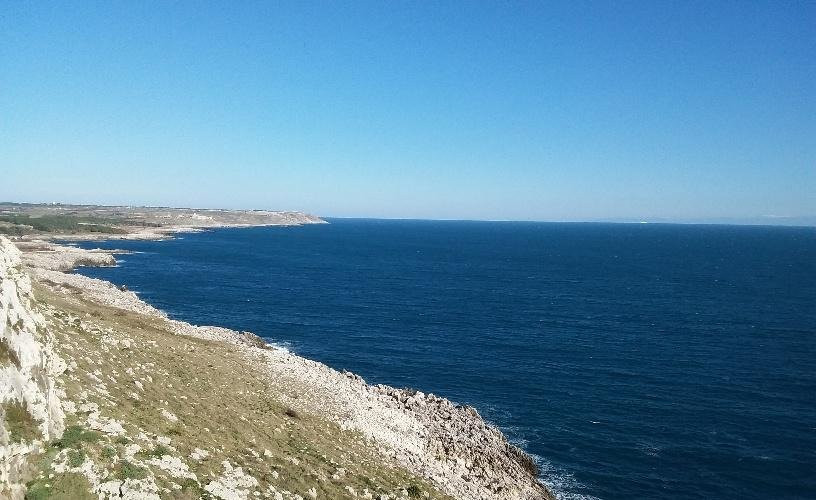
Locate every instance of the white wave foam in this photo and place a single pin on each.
(283, 346)
(559, 481)
(562, 483)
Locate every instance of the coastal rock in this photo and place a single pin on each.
(449, 445)
(29, 403)
(45, 255)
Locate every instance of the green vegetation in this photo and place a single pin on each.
(76, 458)
(74, 436)
(21, 425)
(26, 224)
(69, 486)
(108, 452)
(157, 452)
(191, 489)
(38, 491)
(126, 470)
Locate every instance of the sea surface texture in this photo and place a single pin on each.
(634, 360)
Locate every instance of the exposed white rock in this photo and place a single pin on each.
(169, 416)
(47, 255)
(233, 484)
(29, 379)
(88, 408)
(109, 489)
(131, 450)
(69, 407)
(173, 466)
(140, 489)
(104, 424)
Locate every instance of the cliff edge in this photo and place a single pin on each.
(30, 405)
(105, 397)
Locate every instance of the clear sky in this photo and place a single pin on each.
(485, 110)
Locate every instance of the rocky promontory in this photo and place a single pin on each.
(104, 396)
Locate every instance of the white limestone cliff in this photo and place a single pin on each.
(28, 370)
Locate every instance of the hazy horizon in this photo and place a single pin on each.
(759, 220)
(518, 111)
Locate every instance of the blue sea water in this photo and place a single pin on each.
(634, 360)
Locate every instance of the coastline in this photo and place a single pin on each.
(449, 445)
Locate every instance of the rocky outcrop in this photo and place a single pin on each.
(449, 445)
(476, 454)
(30, 407)
(41, 254)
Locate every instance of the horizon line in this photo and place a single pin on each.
(751, 220)
(690, 222)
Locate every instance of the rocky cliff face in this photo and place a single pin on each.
(29, 403)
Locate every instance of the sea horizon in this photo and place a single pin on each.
(802, 222)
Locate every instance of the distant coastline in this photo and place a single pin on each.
(59, 221)
(448, 445)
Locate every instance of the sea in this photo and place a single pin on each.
(651, 361)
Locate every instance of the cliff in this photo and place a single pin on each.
(30, 405)
(130, 404)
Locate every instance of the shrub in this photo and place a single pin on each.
(126, 470)
(157, 452)
(21, 425)
(414, 491)
(62, 486)
(7, 354)
(190, 486)
(74, 436)
(38, 491)
(76, 458)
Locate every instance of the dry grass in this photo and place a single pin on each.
(20, 424)
(70, 486)
(217, 401)
(7, 355)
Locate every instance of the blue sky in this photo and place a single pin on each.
(486, 110)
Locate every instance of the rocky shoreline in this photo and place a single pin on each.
(447, 444)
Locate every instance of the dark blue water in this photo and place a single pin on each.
(646, 361)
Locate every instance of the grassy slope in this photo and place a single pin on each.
(222, 406)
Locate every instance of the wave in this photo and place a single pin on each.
(562, 483)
